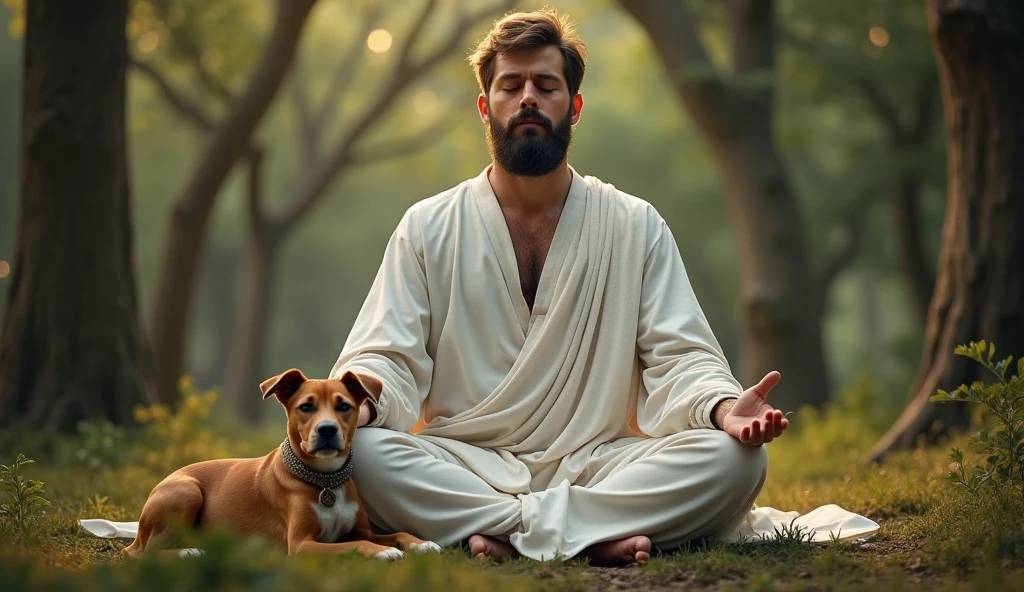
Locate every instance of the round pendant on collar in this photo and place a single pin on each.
(328, 498)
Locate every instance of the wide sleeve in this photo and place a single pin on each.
(685, 372)
(389, 336)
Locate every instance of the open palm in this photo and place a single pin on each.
(752, 420)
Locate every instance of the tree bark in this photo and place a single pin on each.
(780, 314)
(979, 291)
(268, 231)
(70, 348)
(186, 228)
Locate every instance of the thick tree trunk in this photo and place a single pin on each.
(979, 293)
(70, 348)
(780, 314)
(186, 230)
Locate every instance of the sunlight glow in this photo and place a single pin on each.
(878, 36)
(378, 41)
(424, 102)
(148, 41)
(5, 269)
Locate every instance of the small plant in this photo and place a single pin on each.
(26, 498)
(1001, 446)
(174, 438)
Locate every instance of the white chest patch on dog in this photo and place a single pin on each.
(336, 520)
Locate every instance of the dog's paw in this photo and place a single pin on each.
(390, 554)
(192, 552)
(425, 547)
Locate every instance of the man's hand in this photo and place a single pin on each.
(750, 419)
(366, 413)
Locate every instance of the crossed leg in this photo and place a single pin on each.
(635, 494)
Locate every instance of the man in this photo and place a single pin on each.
(538, 330)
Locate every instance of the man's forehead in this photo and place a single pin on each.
(543, 60)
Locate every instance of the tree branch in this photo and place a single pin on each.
(344, 73)
(309, 135)
(254, 187)
(397, 148)
(752, 28)
(854, 227)
(671, 28)
(928, 99)
(405, 53)
(186, 42)
(312, 186)
(885, 110)
(185, 107)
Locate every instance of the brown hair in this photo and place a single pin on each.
(522, 31)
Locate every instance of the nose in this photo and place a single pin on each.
(529, 98)
(327, 429)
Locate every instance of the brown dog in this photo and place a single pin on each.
(299, 495)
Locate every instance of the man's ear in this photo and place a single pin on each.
(283, 385)
(362, 386)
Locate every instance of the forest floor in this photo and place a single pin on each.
(934, 534)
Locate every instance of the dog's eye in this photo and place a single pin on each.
(344, 407)
(306, 408)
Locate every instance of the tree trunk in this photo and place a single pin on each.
(186, 229)
(70, 348)
(979, 293)
(916, 266)
(780, 312)
(252, 319)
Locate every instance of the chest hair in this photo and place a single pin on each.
(531, 241)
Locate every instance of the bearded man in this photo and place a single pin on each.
(548, 384)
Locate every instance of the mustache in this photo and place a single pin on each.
(530, 113)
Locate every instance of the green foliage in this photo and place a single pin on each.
(1001, 444)
(26, 502)
(173, 438)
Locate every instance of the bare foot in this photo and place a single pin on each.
(482, 546)
(635, 549)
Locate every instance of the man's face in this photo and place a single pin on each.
(529, 113)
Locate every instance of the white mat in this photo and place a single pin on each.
(817, 526)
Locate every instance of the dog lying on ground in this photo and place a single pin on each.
(300, 495)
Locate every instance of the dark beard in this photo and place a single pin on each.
(531, 154)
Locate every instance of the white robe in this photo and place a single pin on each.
(542, 405)
(524, 399)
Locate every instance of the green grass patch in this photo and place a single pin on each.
(935, 534)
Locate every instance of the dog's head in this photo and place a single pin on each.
(322, 414)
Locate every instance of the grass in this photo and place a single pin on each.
(934, 536)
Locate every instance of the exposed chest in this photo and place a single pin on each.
(337, 520)
(531, 241)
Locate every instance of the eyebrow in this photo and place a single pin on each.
(541, 75)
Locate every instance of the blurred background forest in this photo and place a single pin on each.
(857, 118)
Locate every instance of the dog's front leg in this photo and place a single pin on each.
(309, 544)
(406, 542)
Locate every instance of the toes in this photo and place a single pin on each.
(390, 554)
(425, 547)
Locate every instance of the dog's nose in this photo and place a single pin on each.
(327, 430)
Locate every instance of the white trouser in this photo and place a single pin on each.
(698, 483)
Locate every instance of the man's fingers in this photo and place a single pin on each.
(745, 434)
(755, 430)
(767, 383)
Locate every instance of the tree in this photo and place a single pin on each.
(872, 59)
(979, 291)
(270, 222)
(70, 347)
(186, 225)
(782, 299)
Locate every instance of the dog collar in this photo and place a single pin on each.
(327, 482)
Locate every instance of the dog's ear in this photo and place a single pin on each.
(362, 386)
(283, 385)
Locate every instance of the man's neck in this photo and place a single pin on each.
(530, 196)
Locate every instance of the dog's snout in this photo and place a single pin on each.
(327, 429)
